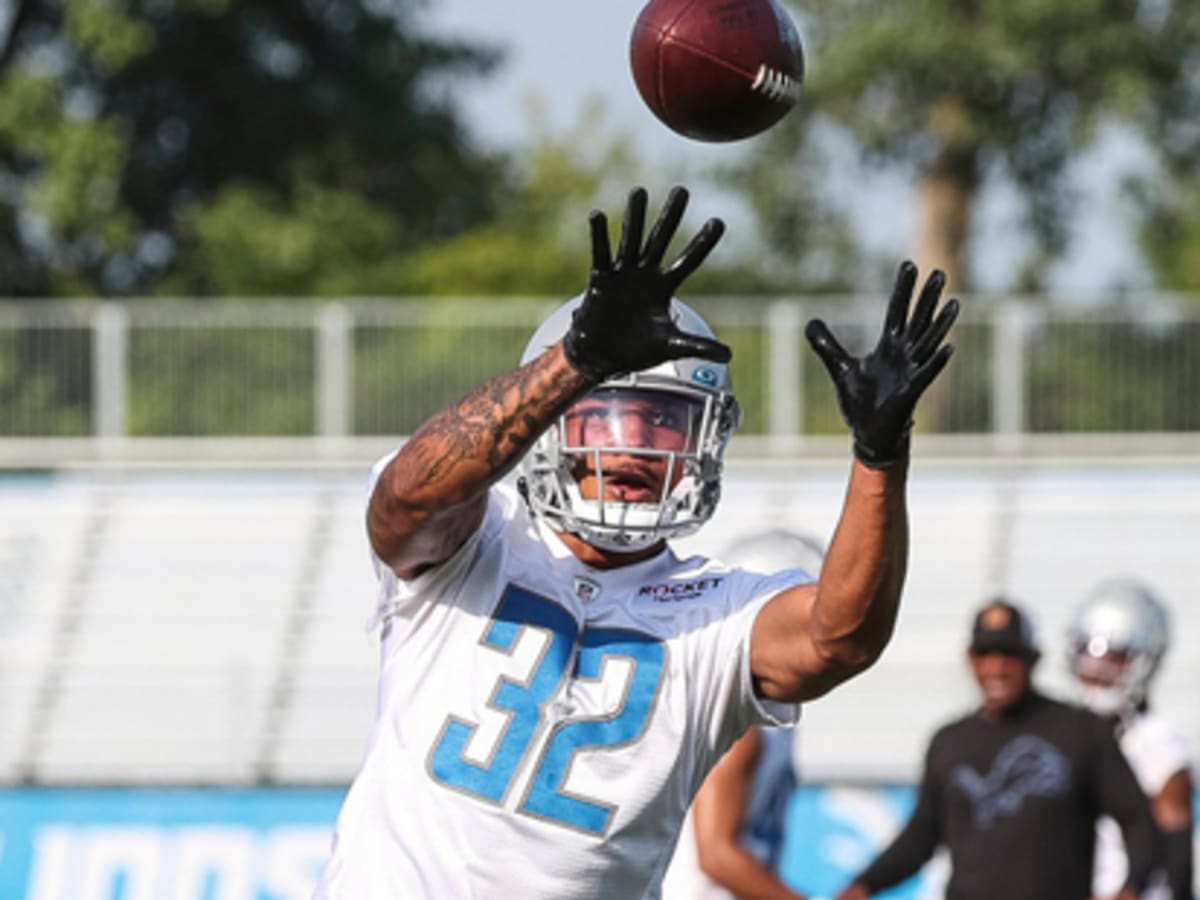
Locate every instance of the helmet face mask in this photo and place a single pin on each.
(1116, 641)
(639, 458)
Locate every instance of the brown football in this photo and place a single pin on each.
(717, 70)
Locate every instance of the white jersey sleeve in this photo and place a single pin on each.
(685, 880)
(717, 632)
(1155, 751)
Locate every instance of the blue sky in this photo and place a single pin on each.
(562, 52)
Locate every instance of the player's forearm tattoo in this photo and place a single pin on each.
(470, 445)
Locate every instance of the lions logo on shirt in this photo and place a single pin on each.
(1027, 766)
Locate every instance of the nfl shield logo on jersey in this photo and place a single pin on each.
(586, 589)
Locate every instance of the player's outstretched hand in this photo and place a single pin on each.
(878, 392)
(624, 323)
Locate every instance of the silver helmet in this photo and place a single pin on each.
(693, 397)
(774, 550)
(1116, 640)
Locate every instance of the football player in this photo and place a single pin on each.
(732, 839)
(1014, 789)
(555, 682)
(1116, 641)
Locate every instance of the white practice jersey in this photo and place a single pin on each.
(684, 879)
(764, 822)
(1155, 751)
(542, 725)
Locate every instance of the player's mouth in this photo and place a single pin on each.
(631, 486)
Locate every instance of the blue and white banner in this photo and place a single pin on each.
(143, 844)
(270, 844)
(834, 832)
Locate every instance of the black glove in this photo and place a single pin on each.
(878, 393)
(624, 323)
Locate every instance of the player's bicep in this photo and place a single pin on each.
(410, 539)
(1172, 805)
(784, 659)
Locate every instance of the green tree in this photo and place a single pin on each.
(224, 145)
(960, 90)
(805, 242)
(538, 244)
(1170, 230)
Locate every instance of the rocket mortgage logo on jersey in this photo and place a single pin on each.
(670, 592)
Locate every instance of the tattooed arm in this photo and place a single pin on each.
(432, 496)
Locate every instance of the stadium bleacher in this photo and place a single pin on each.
(208, 625)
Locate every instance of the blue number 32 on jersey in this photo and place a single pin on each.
(569, 654)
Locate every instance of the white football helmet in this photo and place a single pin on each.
(1116, 640)
(774, 550)
(689, 403)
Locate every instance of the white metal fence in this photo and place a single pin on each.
(99, 377)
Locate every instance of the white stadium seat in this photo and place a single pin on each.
(209, 626)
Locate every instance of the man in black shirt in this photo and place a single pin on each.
(1014, 790)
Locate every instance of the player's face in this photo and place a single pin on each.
(1002, 677)
(1100, 665)
(623, 424)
